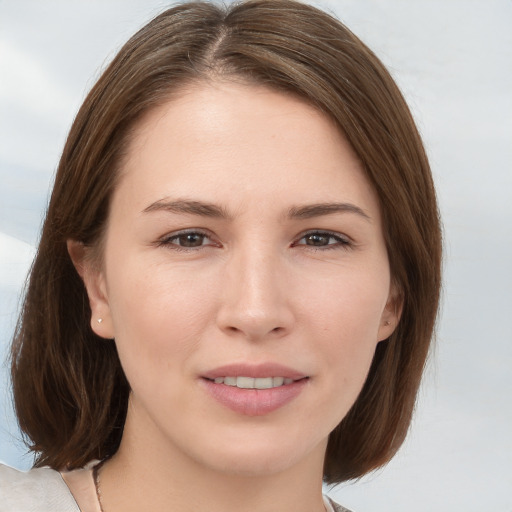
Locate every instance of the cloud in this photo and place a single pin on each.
(28, 84)
(15, 260)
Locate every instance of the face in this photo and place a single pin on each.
(244, 278)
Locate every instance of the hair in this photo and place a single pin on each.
(70, 392)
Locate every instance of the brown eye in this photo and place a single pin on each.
(190, 239)
(317, 239)
(186, 240)
(324, 240)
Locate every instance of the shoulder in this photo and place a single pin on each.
(334, 507)
(37, 490)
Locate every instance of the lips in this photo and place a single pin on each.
(255, 371)
(254, 390)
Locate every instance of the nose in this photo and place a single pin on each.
(256, 301)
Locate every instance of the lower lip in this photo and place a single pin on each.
(254, 402)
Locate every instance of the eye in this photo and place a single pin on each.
(324, 240)
(186, 240)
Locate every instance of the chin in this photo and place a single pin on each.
(250, 458)
(253, 465)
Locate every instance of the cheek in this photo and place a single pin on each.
(158, 316)
(346, 317)
(349, 306)
(158, 321)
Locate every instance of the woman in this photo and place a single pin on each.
(238, 275)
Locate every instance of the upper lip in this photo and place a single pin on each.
(254, 370)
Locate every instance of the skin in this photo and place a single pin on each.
(260, 286)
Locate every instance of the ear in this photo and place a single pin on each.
(94, 282)
(391, 314)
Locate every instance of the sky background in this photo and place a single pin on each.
(453, 61)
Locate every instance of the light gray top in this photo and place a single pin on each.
(37, 490)
(44, 490)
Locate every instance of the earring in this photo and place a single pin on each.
(100, 320)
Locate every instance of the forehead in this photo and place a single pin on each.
(229, 140)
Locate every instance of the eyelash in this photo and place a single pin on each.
(342, 241)
(167, 241)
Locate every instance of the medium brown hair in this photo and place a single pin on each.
(70, 391)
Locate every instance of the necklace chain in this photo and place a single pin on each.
(96, 478)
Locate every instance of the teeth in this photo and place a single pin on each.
(251, 383)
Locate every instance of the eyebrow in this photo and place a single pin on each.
(320, 209)
(205, 209)
(189, 207)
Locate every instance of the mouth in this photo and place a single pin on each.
(243, 382)
(254, 390)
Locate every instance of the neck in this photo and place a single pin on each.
(145, 475)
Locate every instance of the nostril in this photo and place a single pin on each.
(253, 332)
